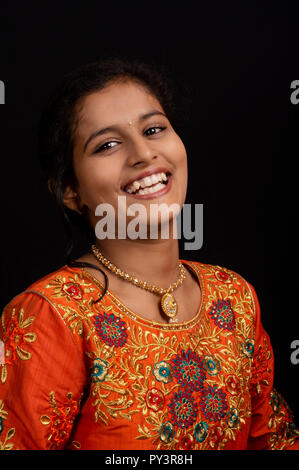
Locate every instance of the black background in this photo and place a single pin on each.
(233, 63)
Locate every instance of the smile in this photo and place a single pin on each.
(149, 185)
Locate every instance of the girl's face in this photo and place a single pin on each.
(124, 145)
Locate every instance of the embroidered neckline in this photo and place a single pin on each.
(150, 323)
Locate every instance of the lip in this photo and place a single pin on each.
(159, 193)
(150, 172)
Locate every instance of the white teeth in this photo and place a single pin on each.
(152, 189)
(136, 185)
(147, 183)
(158, 187)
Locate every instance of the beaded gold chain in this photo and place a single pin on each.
(168, 303)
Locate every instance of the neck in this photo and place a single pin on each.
(149, 260)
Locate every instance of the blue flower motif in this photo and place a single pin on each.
(201, 431)
(213, 403)
(211, 365)
(233, 418)
(248, 347)
(167, 432)
(1, 425)
(189, 370)
(111, 329)
(183, 409)
(100, 370)
(163, 372)
(223, 314)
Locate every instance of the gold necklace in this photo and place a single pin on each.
(168, 303)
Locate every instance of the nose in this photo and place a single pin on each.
(140, 151)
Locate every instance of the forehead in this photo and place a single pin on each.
(116, 104)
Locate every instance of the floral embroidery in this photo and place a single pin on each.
(223, 315)
(291, 431)
(283, 430)
(212, 365)
(100, 370)
(167, 432)
(111, 329)
(183, 409)
(155, 399)
(222, 276)
(15, 338)
(213, 403)
(260, 374)
(233, 384)
(233, 418)
(188, 369)
(275, 401)
(175, 386)
(163, 372)
(201, 431)
(60, 421)
(215, 437)
(72, 289)
(186, 443)
(5, 445)
(248, 347)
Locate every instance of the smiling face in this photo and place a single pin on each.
(124, 145)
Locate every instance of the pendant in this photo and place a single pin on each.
(169, 305)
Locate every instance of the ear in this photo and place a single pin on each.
(71, 200)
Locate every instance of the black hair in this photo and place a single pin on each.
(59, 121)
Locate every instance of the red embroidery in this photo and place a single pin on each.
(155, 399)
(73, 290)
(261, 374)
(61, 421)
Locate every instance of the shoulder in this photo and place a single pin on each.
(34, 326)
(51, 296)
(219, 274)
(222, 284)
(55, 306)
(67, 284)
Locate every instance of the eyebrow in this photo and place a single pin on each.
(105, 130)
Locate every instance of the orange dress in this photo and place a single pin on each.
(83, 375)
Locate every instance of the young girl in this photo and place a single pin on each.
(171, 356)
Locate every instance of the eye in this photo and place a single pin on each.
(154, 130)
(106, 146)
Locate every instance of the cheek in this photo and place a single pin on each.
(181, 163)
(96, 182)
(177, 152)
